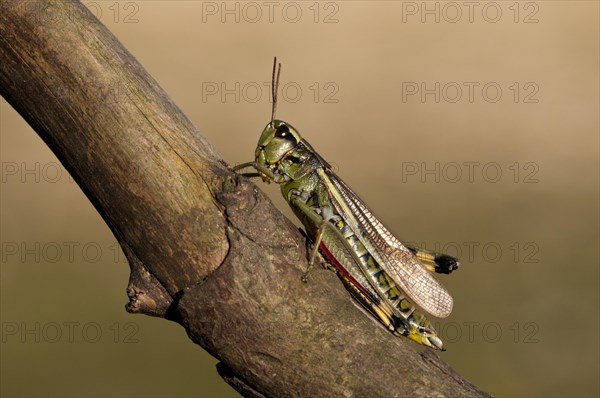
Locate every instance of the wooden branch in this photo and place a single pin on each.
(206, 248)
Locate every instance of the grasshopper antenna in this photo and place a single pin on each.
(274, 87)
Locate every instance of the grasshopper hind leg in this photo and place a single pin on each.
(394, 324)
(417, 328)
(423, 333)
(435, 262)
(445, 264)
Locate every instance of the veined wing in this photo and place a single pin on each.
(395, 258)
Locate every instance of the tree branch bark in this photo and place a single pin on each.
(206, 248)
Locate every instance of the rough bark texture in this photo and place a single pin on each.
(206, 248)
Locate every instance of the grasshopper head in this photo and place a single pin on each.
(276, 141)
(281, 152)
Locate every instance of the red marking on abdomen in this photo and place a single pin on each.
(345, 272)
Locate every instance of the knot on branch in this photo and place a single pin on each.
(146, 294)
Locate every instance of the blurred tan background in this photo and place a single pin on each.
(476, 134)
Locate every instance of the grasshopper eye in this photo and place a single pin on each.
(282, 131)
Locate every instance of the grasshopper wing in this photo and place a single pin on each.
(395, 258)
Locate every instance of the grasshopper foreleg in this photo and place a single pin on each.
(266, 173)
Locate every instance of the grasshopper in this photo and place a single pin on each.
(381, 273)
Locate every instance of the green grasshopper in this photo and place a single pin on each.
(380, 272)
